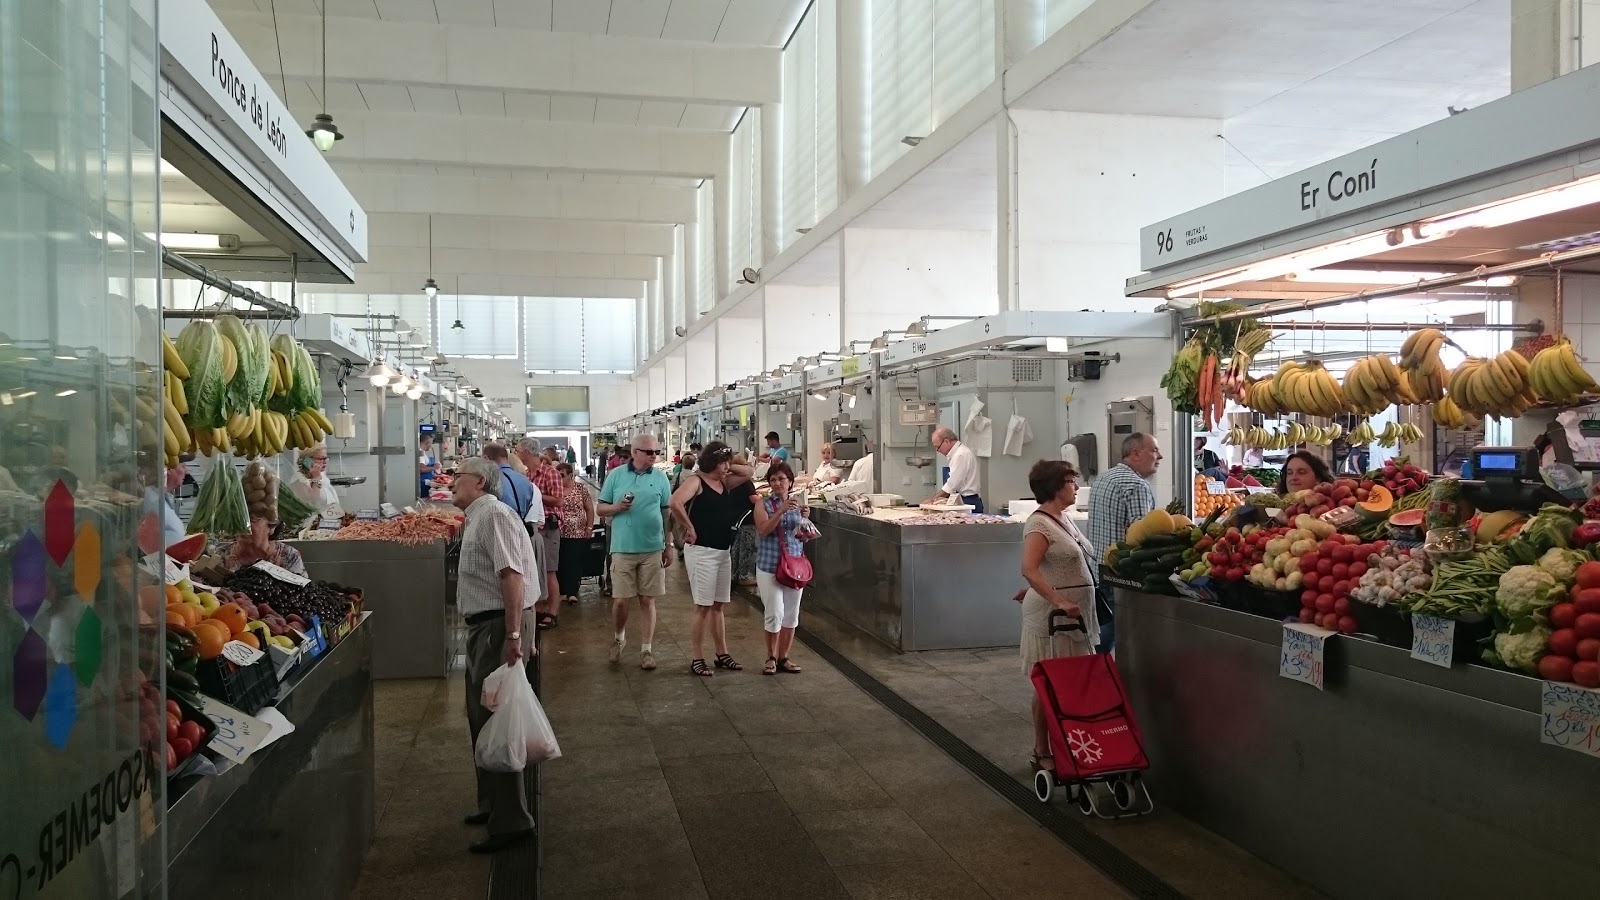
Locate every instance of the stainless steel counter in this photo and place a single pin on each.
(296, 817)
(1401, 779)
(918, 587)
(405, 585)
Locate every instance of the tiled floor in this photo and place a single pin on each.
(747, 785)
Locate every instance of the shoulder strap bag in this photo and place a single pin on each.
(794, 570)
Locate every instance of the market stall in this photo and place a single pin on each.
(1403, 643)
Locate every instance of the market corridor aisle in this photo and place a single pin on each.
(424, 786)
(749, 785)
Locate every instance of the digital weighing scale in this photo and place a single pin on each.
(1508, 478)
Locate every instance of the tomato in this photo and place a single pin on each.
(173, 728)
(1308, 564)
(1341, 606)
(193, 732)
(182, 747)
(1347, 625)
(1307, 616)
(1586, 600)
(1588, 625)
(1358, 569)
(1324, 566)
(1324, 603)
(173, 709)
(1341, 570)
(172, 758)
(1308, 597)
(1564, 642)
(1563, 615)
(1587, 674)
(1555, 668)
(1589, 574)
(1341, 554)
(1589, 648)
(1341, 589)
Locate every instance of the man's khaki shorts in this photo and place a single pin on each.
(637, 575)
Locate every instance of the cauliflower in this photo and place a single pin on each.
(1525, 590)
(1522, 651)
(1562, 564)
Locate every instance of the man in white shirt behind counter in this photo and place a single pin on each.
(963, 480)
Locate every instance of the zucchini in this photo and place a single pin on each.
(1171, 561)
(1166, 540)
(182, 681)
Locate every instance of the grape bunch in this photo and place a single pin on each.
(319, 598)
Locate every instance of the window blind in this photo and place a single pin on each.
(705, 224)
(417, 310)
(826, 127)
(493, 326)
(553, 339)
(963, 54)
(336, 304)
(902, 46)
(744, 195)
(609, 334)
(798, 143)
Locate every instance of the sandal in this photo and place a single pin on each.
(726, 661)
(784, 665)
(699, 667)
(546, 621)
(572, 601)
(770, 667)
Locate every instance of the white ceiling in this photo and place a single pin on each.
(1295, 83)
(761, 22)
(582, 109)
(397, 168)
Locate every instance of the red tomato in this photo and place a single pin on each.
(192, 731)
(1347, 625)
(1341, 589)
(1307, 616)
(172, 758)
(173, 709)
(1308, 597)
(173, 728)
(1587, 674)
(1555, 668)
(1358, 569)
(1564, 642)
(1329, 621)
(1340, 570)
(1324, 603)
(1587, 600)
(1589, 574)
(1563, 615)
(1324, 566)
(1589, 648)
(1341, 606)
(1341, 554)
(182, 747)
(1587, 625)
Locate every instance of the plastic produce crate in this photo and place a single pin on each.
(245, 688)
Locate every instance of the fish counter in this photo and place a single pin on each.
(918, 586)
(1370, 787)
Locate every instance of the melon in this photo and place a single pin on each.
(1378, 503)
(1410, 518)
(187, 550)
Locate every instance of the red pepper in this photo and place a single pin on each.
(1586, 534)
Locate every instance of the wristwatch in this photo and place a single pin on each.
(514, 636)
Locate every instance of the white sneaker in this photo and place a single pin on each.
(615, 653)
(647, 660)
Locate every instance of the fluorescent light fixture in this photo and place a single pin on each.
(67, 356)
(179, 240)
(1316, 257)
(1387, 276)
(66, 393)
(1528, 206)
(26, 394)
(27, 359)
(1055, 345)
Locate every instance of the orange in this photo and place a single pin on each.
(152, 599)
(211, 639)
(190, 614)
(173, 594)
(232, 615)
(175, 619)
(248, 638)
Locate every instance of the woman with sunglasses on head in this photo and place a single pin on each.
(708, 507)
(778, 519)
(310, 482)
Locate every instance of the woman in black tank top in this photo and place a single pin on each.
(708, 507)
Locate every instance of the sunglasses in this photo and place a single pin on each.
(649, 452)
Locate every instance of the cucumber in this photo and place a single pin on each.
(1143, 556)
(1166, 540)
(182, 681)
(1170, 561)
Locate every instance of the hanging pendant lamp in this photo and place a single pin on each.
(323, 132)
(431, 287)
(458, 326)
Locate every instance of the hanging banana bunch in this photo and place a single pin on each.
(1374, 383)
(1259, 396)
(1493, 387)
(1446, 414)
(1424, 369)
(1558, 377)
(1394, 435)
(1308, 388)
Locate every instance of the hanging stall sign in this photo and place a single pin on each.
(1303, 653)
(1570, 717)
(1433, 639)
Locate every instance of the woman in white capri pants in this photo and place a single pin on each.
(778, 518)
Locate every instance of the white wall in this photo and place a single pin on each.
(700, 360)
(800, 320)
(891, 277)
(1138, 374)
(738, 348)
(1087, 183)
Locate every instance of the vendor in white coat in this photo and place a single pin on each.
(829, 472)
(310, 483)
(963, 480)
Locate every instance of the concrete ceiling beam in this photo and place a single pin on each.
(476, 196)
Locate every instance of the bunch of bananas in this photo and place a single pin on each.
(307, 428)
(175, 437)
(1308, 388)
(1294, 435)
(1446, 414)
(1424, 370)
(1374, 383)
(1390, 436)
(1557, 376)
(280, 375)
(1493, 387)
(1259, 396)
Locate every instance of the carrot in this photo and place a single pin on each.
(1200, 399)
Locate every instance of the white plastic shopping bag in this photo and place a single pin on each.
(518, 734)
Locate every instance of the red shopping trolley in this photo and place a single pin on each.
(1095, 744)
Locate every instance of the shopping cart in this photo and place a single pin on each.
(1095, 744)
(597, 558)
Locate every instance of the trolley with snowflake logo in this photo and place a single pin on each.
(1095, 746)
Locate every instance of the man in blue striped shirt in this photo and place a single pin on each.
(1120, 496)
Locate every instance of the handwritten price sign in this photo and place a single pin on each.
(1433, 639)
(238, 735)
(1570, 717)
(1303, 652)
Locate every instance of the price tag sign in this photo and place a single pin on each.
(175, 571)
(410, 510)
(1433, 639)
(368, 514)
(1570, 717)
(1303, 652)
(1257, 489)
(388, 511)
(238, 735)
(1216, 488)
(241, 654)
(282, 574)
(328, 523)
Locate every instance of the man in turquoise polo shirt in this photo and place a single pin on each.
(635, 497)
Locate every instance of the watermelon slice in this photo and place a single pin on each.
(189, 549)
(1410, 518)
